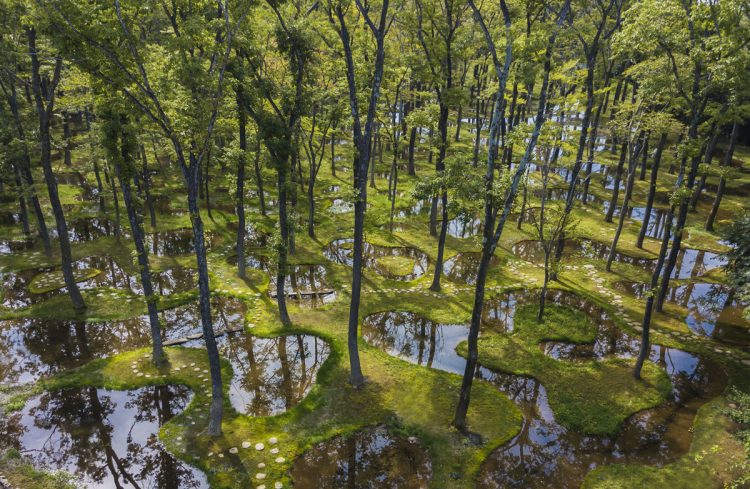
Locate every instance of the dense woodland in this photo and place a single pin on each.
(389, 243)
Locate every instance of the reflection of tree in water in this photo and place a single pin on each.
(32, 348)
(341, 251)
(106, 438)
(370, 458)
(273, 374)
(404, 334)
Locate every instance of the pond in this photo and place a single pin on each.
(104, 438)
(712, 309)
(392, 262)
(176, 242)
(463, 267)
(372, 458)
(533, 251)
(546, 453)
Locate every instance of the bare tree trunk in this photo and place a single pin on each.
(240, 196)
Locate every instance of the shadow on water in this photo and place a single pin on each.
(545, 453)
(106, 439)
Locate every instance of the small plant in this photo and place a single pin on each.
(739, 412)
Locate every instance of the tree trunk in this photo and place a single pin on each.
(726, 163)
(192, 173)
(143, 262)
(651, 189)
(618, 177)
(440, 167)
(66, 138)
(281, 172)
(641, 143)
(44, 108)
(240, 195)
(259, 178)
(147, 187)
(708, 158)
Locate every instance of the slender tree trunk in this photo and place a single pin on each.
(281, 172)
(240, 196)
(143, 262)
(147, 187)
(616, 190)
(44, 108)
(644, 158)
(259, 178)
(192, 173)
(66, 138)
(651, 189)
(626, 200)
(440, 166)
(411, 168)
(708, 158)
(726, 163)
(21, 200)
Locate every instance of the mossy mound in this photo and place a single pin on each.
(50, 281)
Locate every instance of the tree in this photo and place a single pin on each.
(44, 86)
(362, 135)
(184, 104)
(492, 232)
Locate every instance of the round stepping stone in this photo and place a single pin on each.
(259, 446)
(278, 485)
(233, 450)
(246, 444)
(260, 476)
(280, 460)
(262, 486)
(261, 465)
(274, 451)
(273, 440)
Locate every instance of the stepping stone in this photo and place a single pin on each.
(259, 446)
(246, 444)
(261, 465)
(278, 485)
(262, 486)
(274, 451)
(273, 440)
(260, 476)
(233, 450)
(280, 460)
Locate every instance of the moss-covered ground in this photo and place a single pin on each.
(588, 396)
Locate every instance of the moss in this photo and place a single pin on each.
(713, 454)
(589, 396)
(397, 265)
(19, 472)
(49, 281)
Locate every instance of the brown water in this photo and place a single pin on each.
(544, 453)
(372, 458)
(105, 439)
(373, 256)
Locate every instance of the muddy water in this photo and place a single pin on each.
(546, 454)
(372, 458)
(106, 439)
(712, 310)
(375, 258)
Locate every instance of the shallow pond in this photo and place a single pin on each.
(463, 267)
(105, 439)
(175, 242)
(532, 251)
(396, 263)
(545, 453)
(712, 309)
(372, 458)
